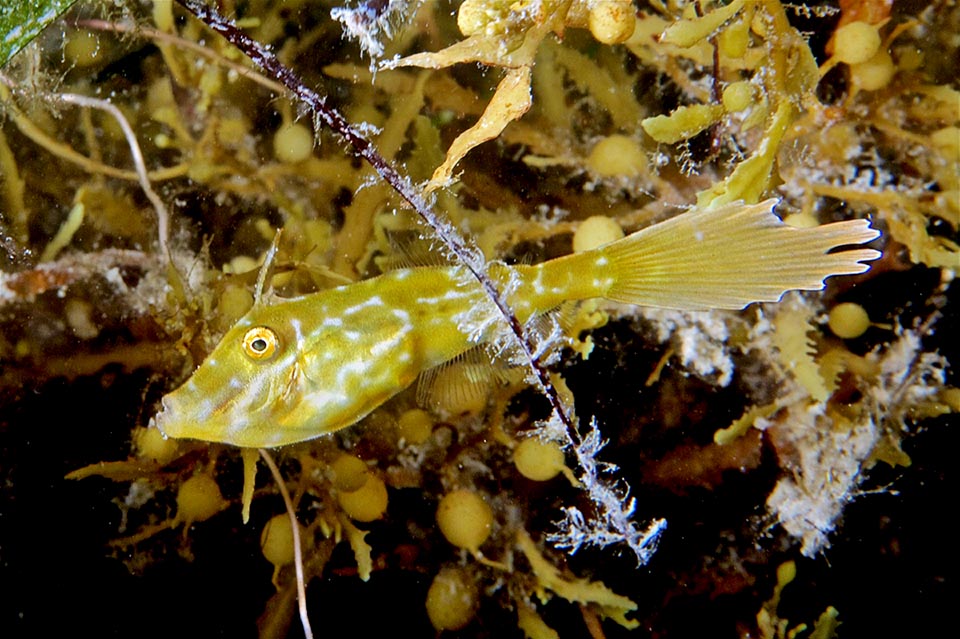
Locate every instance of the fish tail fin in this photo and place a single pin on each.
(730, 256)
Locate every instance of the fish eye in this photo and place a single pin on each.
(260, 343)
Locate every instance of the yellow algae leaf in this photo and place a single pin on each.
(509, 40)
(588, 75)
(548, 81)
(515, 46)
(826, 625)
(361, 549)
(791, 337)
(13, 189)
(835, 362)
(585, 317)
(249, 456)
(889, 450)
(124, 470)
(581, 591)
(934, 251)
(65, 234)
(686, 33)
(645, 44)
(744, 422)
(947, 401)
(950, 398)
(752, 176)
(682, 123)
(948, 99)
(532, 625)
(494, 51)
(509, 103)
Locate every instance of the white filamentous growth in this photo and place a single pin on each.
(613, 522)
(371, 26)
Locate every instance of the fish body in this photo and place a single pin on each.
(299, 368)
(340, 353)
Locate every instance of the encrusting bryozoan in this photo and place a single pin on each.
(298, 368)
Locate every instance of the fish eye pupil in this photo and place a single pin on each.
(261, 343)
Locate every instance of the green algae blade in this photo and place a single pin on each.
(21, 22)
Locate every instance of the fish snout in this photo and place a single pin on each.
(165, 420)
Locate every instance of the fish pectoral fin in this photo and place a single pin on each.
(459, 385)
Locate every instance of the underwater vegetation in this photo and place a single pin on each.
(525, 299)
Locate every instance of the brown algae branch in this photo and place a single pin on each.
(471, 259)
(162, 36)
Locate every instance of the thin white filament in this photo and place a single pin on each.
(297, 550)
(163, 216)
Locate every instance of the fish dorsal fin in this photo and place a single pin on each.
(265, 268)
(411, 248)
(459, 385)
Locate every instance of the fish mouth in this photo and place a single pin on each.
(192, 412)
(173, 421)
(184, 416)
(164, 419)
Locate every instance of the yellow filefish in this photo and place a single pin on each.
(300, 368)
